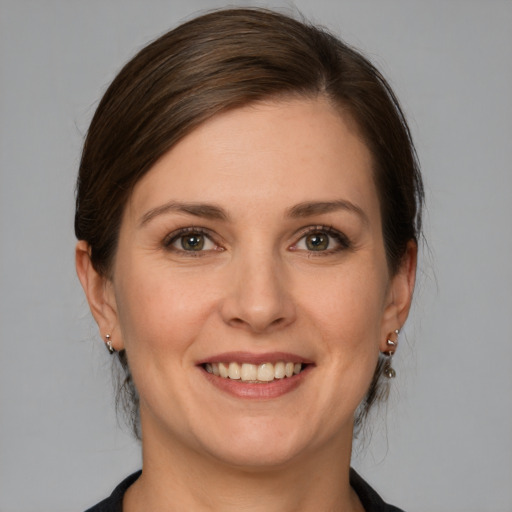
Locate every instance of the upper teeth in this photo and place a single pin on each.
(265, 372)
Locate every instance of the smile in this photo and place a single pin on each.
(262, 376)
(254, 373)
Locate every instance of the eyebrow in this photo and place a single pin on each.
(310, 208)
(204, 210)
(211, 211)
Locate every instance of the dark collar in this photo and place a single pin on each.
(370, 500)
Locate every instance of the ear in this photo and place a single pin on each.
(400, 293)
(99, 291)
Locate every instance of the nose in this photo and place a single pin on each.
(258, 296)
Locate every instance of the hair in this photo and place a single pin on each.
(223, 60)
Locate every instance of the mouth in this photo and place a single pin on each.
(256, 376)
(255, 373)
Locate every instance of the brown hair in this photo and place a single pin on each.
(223, 60)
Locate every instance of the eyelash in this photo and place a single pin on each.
(343, 243)
(176, 235)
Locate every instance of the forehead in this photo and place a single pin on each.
(265, 154)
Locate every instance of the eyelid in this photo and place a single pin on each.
(342, 240)
(174, 235)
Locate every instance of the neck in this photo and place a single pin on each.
(176, 478)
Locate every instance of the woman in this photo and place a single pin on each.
(248, 209)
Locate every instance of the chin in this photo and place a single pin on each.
(258, 443)
(253, 456)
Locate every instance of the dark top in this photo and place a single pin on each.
(371, 501)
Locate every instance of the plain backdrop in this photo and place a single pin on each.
(444, 442)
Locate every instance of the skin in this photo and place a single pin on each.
(256, 287)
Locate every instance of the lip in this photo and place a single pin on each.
(256, 391)
(251, 358)
(261, 391)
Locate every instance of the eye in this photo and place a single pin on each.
(317, 241)
(322, 239)
(190, 240)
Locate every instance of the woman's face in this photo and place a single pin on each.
(254, 248)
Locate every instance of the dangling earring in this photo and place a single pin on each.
(389, 371)
(108, 342)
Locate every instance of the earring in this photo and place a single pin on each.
(389, 371)
(108, 342)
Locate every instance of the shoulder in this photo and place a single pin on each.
(370, 500)
(114, 503)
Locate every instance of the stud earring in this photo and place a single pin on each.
(389, 371)
(108, 342)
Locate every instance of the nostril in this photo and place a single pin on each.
(256, 307)
(237, 322)
(278, 321)
(258, 325)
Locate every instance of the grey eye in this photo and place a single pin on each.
(194, 242)
(317, 241)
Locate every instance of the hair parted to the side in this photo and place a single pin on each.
(223, 60)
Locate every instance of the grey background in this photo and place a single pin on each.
(444, 442)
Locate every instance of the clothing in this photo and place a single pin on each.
(370, 500)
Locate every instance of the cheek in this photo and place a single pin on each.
(345, 302)
(161, 317)
(159, 310)
(346, 309)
